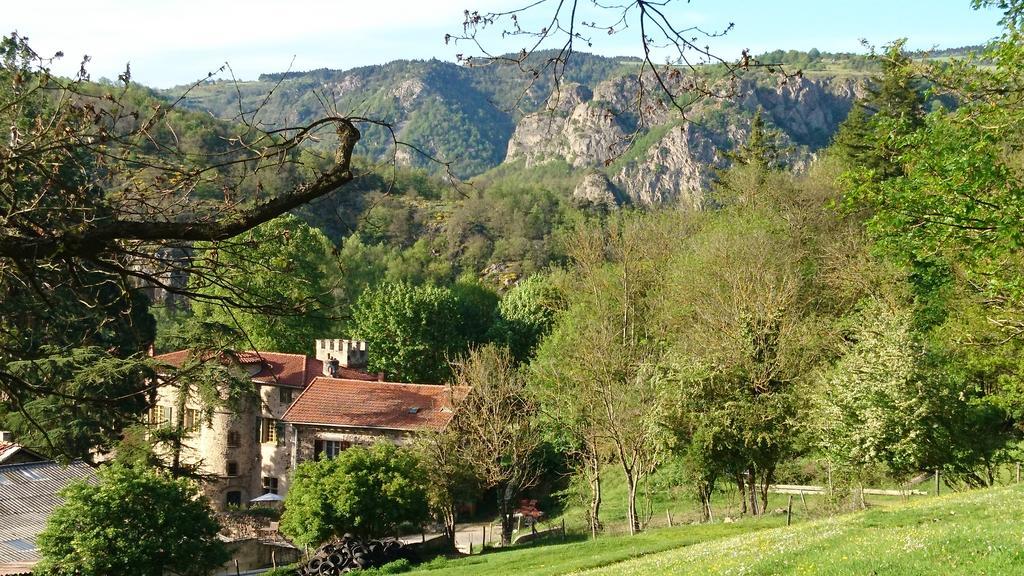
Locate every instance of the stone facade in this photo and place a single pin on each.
(308, 440)
(236, 449)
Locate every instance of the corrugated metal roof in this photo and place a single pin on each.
(28, 495)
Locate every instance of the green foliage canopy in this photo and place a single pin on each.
(273, 285)
(414, 331)
(133, 521)
(365, 491)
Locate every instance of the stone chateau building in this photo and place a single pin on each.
(308, 406)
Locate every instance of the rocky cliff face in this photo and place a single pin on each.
(478, 117)
(652, 159)
(572, 128)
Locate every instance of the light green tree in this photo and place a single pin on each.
(526, 315)
(415, 331)
(875, 406)
(596, 374)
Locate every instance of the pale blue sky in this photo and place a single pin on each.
(170, 43)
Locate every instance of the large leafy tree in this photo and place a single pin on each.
(903, 401)
(132, 521)
(596, 373)
(751, 296)
(526, 314)
(273, 283)
(948, 211)
(877, 406)
(365, 491)
(96, 189)
(415, 331)
(497, 424)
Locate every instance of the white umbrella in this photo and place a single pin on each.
(268, 497)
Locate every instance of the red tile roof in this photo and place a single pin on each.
(384, 405)
(295, 370)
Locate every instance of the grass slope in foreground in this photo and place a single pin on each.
(972, 533)
(975, 533)
(555, 559)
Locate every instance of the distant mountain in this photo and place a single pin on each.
(478, 118)
(451, 112)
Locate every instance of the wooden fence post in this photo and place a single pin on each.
(802, 501)
(937, 486)
(1018, 472)
(789, 511)
(830, 478)
(668, 514)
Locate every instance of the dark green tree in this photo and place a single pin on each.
(894, 106)
(133, 521)
(272, 283)
(764, 149)
(95, 187)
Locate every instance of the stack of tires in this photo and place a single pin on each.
(349, 554)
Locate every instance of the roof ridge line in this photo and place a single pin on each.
(381, 382)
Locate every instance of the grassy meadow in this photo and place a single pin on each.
(974, 533)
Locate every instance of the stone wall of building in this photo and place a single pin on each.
(304, 437)
(230, 449)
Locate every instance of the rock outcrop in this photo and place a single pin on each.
(594, 130)
(676, 169)
(595, 189)
(570, 127)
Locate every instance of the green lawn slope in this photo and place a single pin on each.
(550, 559)
(972, 533)
(976, 533)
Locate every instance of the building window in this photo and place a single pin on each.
(270, 485)
(234, 499)
(160, 415)
(332, 448)
(268, 432)
(232, 468)
(192, 419)
(234, 439)
(285, 395)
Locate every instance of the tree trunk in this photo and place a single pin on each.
(743, 493)
(632, 517)
(507, 512)
(449, 525)
(705, 501)
(766, 481)
(752, 490)
(595, 498)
